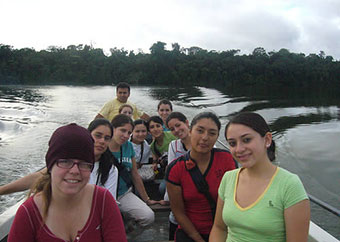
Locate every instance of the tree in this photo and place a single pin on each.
(176, 47)
(259, 51)
(158, 48)
(83, 64)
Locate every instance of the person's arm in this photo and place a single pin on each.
(99, 116)
(297, 221)
(177, 207)
(219, 231)
(105, 110)
(139, 185)
(22, 183)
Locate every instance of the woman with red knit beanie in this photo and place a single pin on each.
(64, 207)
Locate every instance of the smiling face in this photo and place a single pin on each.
(155, 129)
(203, 135)
(178, 128)
(127, 111)
(102, 138)
(164, 111)
(139, 133)
(246, 145)
(122, 134)
(68, 181)
(122, 94)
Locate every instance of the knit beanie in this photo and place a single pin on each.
(70, 142)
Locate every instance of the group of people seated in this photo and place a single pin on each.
(92, 182)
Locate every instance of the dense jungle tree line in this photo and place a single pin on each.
(83, 64)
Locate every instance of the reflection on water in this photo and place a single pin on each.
(285, 123)
(182, 94)
(19, 108)
(306, 125)
(22, 95)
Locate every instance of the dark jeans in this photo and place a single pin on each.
(162, 187)
(181, 236)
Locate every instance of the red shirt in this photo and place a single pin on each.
(196, 205)
(104, 223)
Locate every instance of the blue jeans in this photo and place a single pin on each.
(162, 187)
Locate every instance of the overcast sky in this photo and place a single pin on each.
(306, 26)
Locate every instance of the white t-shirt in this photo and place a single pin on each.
(176, 149)
(146, 152)
(111, 182)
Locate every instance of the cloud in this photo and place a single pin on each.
(301, 26)
(250, 29)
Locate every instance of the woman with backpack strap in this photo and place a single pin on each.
(129, 204)
(190, 205)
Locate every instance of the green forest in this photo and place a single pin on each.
(86, 65)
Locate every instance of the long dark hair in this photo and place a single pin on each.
(105, 160)
(99, 121)
(257, 123)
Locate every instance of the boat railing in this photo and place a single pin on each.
(324, 205)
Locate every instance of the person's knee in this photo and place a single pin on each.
(148, 218)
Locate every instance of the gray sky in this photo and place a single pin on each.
(306, 26)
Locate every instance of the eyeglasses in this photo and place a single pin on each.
(68, 164)
(100, 136)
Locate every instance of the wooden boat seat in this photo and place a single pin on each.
(160, 208)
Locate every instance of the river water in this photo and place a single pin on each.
(306, 129)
